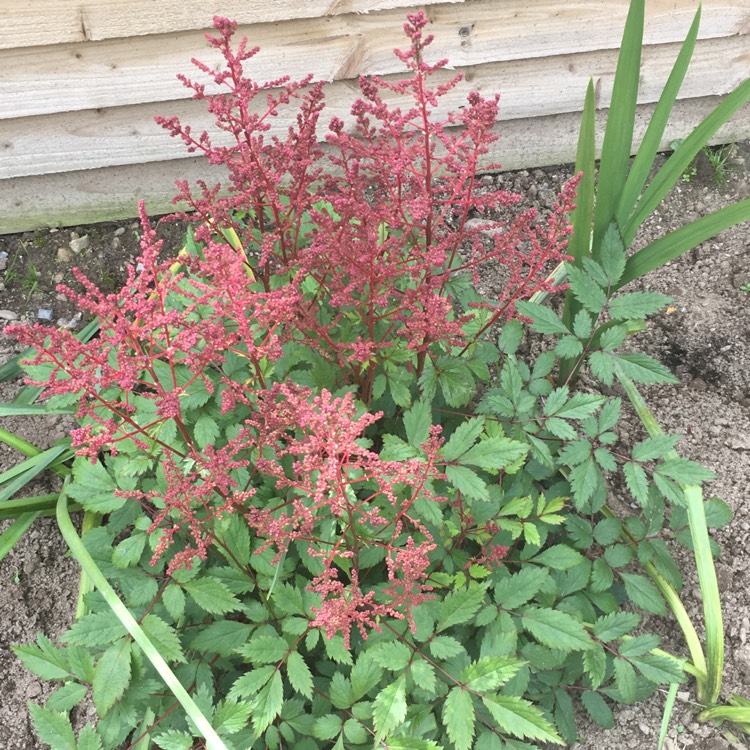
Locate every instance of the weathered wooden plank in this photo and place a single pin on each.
(118, 72)
(42, 22)
(111, 193)
(533, 88)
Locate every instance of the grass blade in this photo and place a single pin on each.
(43, 504)
(618, 136)
(10, 537)
(30, 410)
(667, 715)
(33, 467)
(683, 156)
(79, 551)
(644, 159)
(580, 243)
(675, 243)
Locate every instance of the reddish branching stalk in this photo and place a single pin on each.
(346, 254)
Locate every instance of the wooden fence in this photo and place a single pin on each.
(81, 81)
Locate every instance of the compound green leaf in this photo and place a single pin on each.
(644, 369)
(654, 447)
(465, 435)
(423, 674)
(44, 660)
(586, 290)
(327, 727)
(417, 422)
(206, 431)
(93, 487)
(412, 743)
(458, 717)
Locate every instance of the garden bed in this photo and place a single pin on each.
(703, 337)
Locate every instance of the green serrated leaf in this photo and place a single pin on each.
(423, 674)
(595, 664)
(111, 676)
(460, 606)
(597, 709)
(417, 422)
(66, 697)
(639, 645)
(389, 709)
(615, 625)
(655, 447)
(445, 647)
(637, 481)
(44, 660)
(659, 668)
(128, 552)
(392, 655)
(458, 717)
(544, 319)
(300, 677)
(625, 680)
(93, 487)
(521, 587)
(558, 557)
(643, 593)
(174, 739)
(211, 595)
(586, 290)
(264, 649)
(89, 739)
(520, 718)
(365, 675)
(637, 305)
(489, 673)
(644, 369)
(267, 704)
(568, 347)
(685, 472)
(53, 728)
(555, 629)
(613, 338)
(164, 638)
(468, 483)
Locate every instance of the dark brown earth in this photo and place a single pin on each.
(704, 337)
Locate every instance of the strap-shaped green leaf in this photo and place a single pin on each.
(618, 136)
(644, 159)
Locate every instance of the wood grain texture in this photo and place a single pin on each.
(143, 69)
(112, 193)
(533, 88)
(43, 22)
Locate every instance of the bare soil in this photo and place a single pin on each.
(704, 337)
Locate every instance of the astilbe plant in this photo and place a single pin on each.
(275, 422)
(354, 267)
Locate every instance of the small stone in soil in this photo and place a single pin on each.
(44, 313)
(79, 243)
(8, 315)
